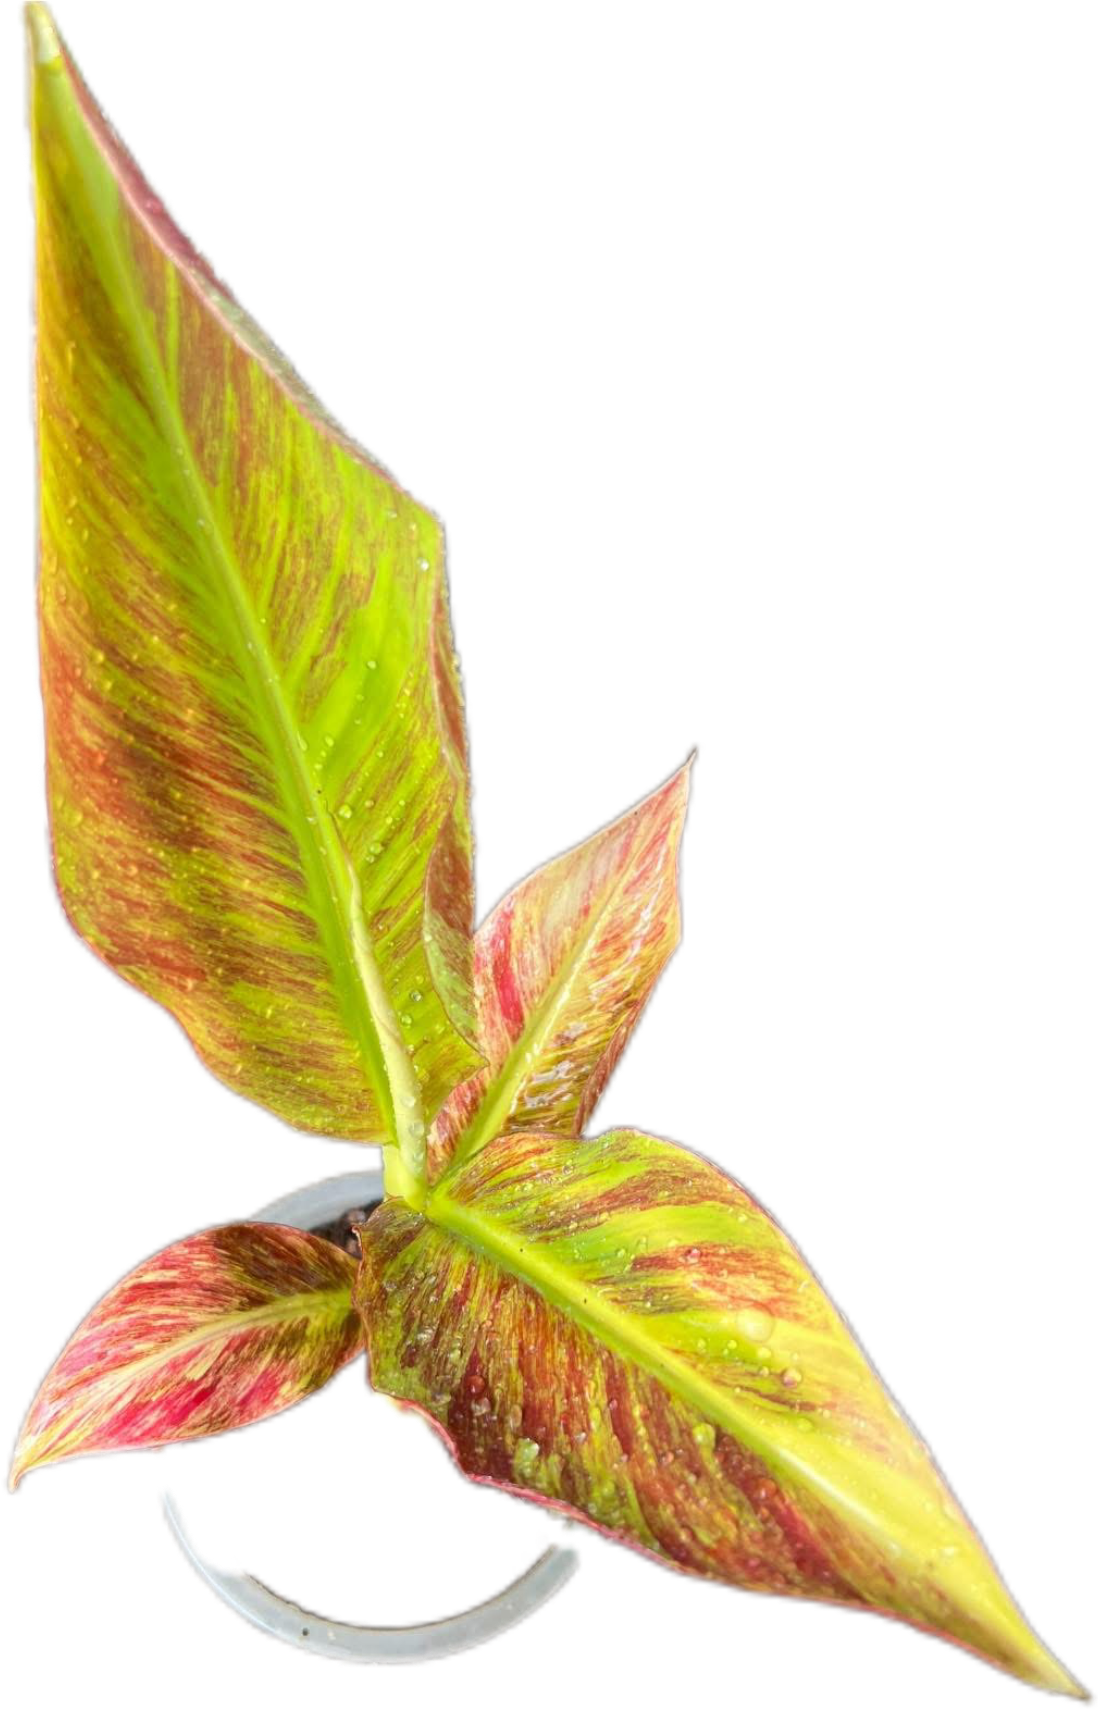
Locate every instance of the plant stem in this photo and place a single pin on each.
(402, 1182)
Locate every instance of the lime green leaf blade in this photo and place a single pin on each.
(563, 969)
(616, 1326)
(217, 1331)
(256, 754)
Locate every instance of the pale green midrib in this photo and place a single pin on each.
(617, 1330)
(500, 1097)
(327, 864)
(317, 1304)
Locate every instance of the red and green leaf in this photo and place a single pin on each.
(257, 774)
(615, 1326)
(562, 970)
(216, 1331)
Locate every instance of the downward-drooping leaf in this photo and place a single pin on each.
(256, 755)
(214, 1332)
(562, 970)
(615, 1326)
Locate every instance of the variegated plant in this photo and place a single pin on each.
(258, 796)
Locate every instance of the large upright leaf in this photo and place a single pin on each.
(216, 1331)
(615, 1326)
(257, 778)
(563, 968)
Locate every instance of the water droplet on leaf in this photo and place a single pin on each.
(755, 1325)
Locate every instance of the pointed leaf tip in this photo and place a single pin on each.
(219, 1330)
(614, 1325)
(42, 32)
(563, 968)
(252, 708)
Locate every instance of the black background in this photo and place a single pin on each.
(661, 532)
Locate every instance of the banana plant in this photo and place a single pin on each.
(259, 806)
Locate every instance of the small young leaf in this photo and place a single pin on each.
(256, 755)
(614, 1326)
(563, 968)
(214, 1332)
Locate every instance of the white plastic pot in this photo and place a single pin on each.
(363, 1646)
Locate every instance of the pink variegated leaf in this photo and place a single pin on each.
(257, 776)
(563, 968)
(615, 1327)
(216, 1331)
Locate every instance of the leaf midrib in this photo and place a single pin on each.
(504, 1089)
(360, 987)
(315, 1306)
(524, 1260)
(619, 1331)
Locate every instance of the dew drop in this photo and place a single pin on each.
(371, 664)
(526, 1456)
(791, 1377)
(704, 1434)
(345, 811)
(755, 1325)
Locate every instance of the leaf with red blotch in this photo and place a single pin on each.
(615, 1327)
(563, 968)
(257, 774)
(216, 1331)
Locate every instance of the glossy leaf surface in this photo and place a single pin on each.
(563, 968)
(214, 1332)
(616, 1326)
(256, 754)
